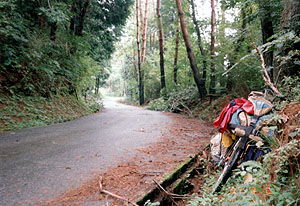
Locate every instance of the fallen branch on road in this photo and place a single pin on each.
(114, 195)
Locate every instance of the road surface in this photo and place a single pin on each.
(41, 163)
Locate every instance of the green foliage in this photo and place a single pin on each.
(260, 190)
(20, 111)
(56, 13)
(93, 103)
(272, 181)
(291, 88)
(32, 63)
(175, 100)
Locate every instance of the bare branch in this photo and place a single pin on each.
(169, 195)
(265, 74)
(114, 195)
(242, 59)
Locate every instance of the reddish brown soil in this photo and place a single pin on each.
(132, 179)
(291, 116)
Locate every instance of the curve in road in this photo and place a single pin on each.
(43, 162)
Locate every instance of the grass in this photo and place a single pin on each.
(18, 112)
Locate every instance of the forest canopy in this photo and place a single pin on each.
(225, 60)
(168, 47)
(57, 47)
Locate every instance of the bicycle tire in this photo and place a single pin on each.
(227, 170)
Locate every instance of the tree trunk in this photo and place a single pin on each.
(291, 15)
(141, 83)
(199, 82)
(290, 19)
(72, 25)
(222, 54)
(161, 45)
(53, 29)
(176, 52)
(144, 34)
(81, 17)
(72, 20)
(212, 88)
(199, 40)
(97, 83)
(267, 31)
(237, 47)
(141, 15)
(40, 22)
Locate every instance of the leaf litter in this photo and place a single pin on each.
(131, 179)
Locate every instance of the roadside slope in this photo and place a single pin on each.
(18, 112)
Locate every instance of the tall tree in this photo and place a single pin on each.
(222, 45)
(141, 79)
(53, 28)
(144, 36)
(212, 49)
(199, 40)
(267, 31)
(176, 52)
(61, 63)
(199, 82)
(141, 15)
(290, 20)
(161, 45)
(81, 16)
(237, 48)
(291, 15)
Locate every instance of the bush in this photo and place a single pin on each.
(175, 101)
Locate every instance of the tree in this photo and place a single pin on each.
(290, 20)
(222, 55)
(144, 36)
(161, 45)
(82, 36)
(199, 82)
(176, 53)
(267, 31)
(291, 15)
(237, 48)
(82, 11)
(141, 81)
(199, 40)
(212, 49)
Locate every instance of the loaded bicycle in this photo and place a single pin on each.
(240, 123)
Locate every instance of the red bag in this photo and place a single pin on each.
(229, 109)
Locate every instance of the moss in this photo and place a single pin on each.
(168, 180)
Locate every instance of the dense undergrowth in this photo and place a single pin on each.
(19, 111)
(52, 53)
(185, 101)
(275, 179)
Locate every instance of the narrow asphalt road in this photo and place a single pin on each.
(41, 163)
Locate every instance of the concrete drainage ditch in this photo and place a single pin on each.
(176, 184)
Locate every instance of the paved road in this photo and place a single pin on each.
(41, 163)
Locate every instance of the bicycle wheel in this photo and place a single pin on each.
(229, 166)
